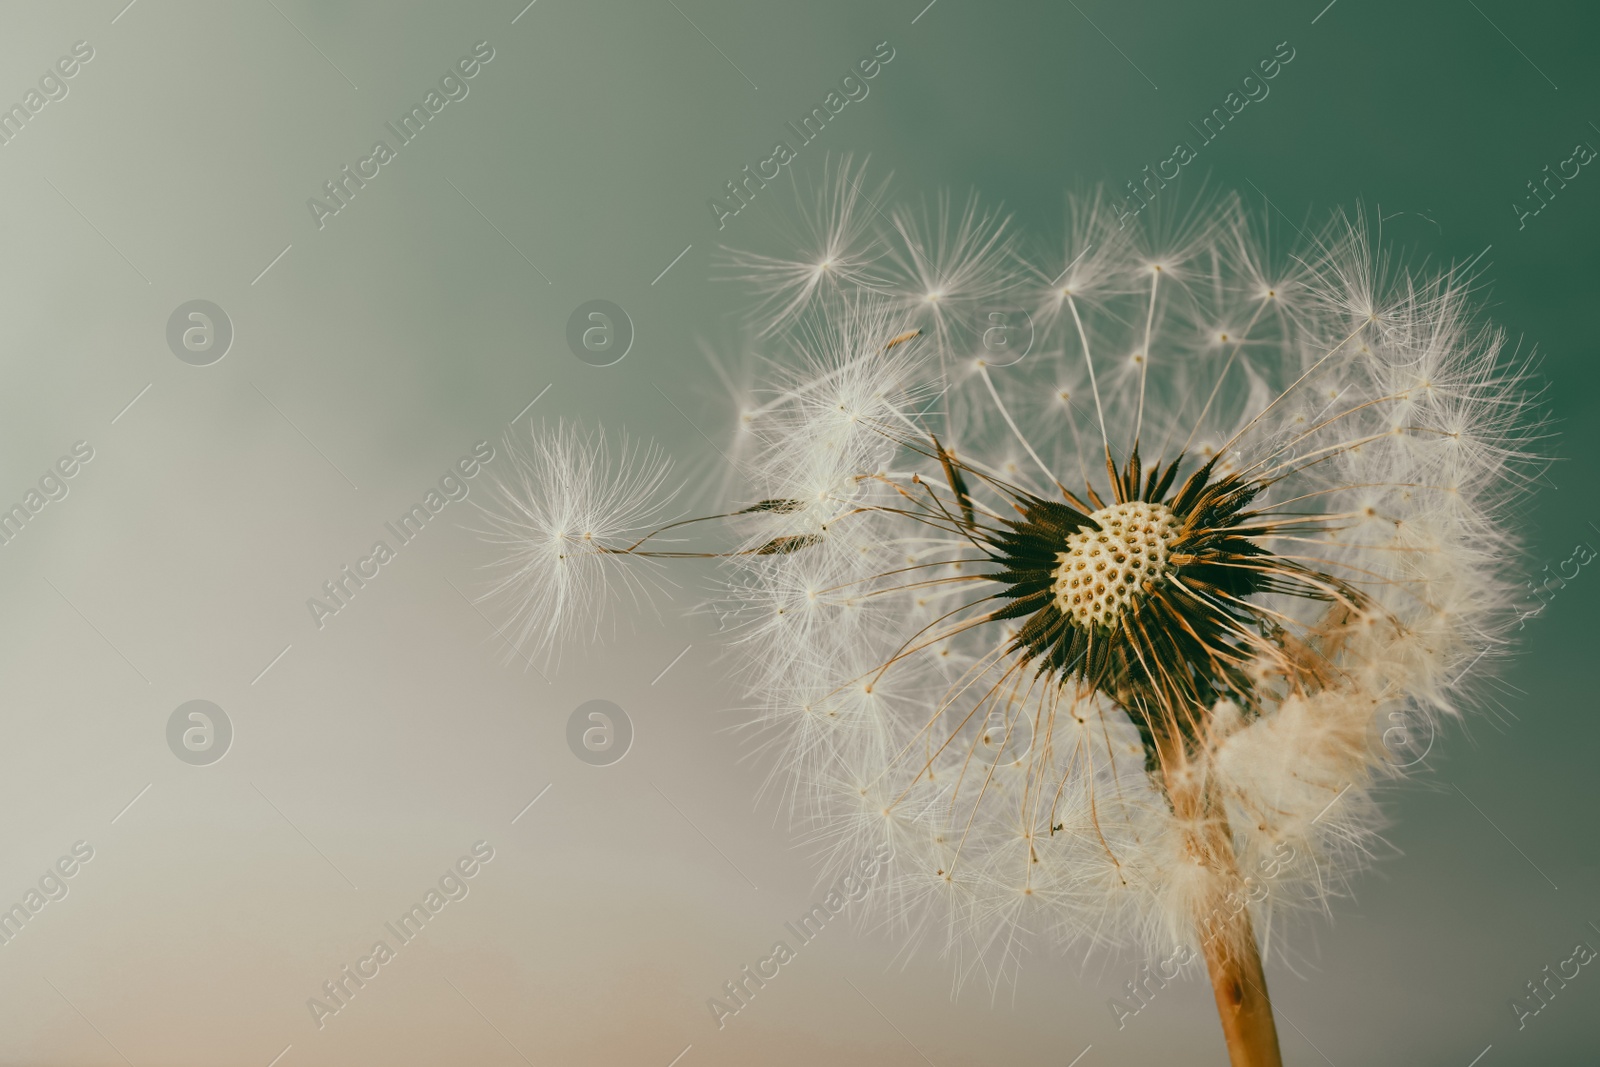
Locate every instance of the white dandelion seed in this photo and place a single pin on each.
(559, 508)
(949, 266)
(1097, 642)
(836, 249)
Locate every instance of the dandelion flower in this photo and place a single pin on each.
(1096, 640)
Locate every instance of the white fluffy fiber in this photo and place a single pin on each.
(562, 494)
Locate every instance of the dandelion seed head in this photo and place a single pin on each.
(1095, 639)
(1279, 482)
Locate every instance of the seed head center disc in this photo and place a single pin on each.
(1106, 568)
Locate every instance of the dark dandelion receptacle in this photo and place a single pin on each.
(1148, 598)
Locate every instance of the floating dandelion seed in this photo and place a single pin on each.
(1096, 642)
(558, 501)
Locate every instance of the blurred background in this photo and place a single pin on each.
(344, 364)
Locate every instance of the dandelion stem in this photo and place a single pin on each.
(1227, 938)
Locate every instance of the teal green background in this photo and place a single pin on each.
(412, 326)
